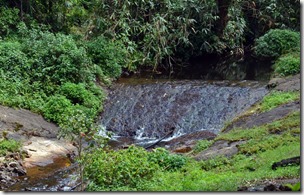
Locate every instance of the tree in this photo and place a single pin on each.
(83, 132)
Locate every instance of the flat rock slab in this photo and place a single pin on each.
(219, 148)
(291, 83)
(38, 137)
(21, 124)
(265, 117)
(44, 150)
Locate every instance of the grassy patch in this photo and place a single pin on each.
(201, 145)
(225, 174)
(276, 98)
(9, 145)
(270, 101)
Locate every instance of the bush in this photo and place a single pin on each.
(56, 58)
(169, 162)
(277, 42)
(289, 64)
(87, 98)
(78, 94)
(129, 169)
(122, 169)
(8, 20)
(56, 108)
(8, 145)
(13, 61)
(201, 145)
(109, 56)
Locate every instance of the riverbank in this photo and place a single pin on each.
(40, 146)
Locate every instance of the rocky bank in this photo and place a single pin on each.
(39, 140)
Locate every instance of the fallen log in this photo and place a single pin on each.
(155, 143)
(285, 162)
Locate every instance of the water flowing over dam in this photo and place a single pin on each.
(151, 109)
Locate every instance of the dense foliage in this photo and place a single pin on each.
(277, 42)
(288, 64)
(49, 73)
(159, 34)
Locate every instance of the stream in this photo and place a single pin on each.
(140, 111)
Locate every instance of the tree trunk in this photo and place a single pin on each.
(223, 6)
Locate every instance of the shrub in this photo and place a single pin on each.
(118, 169)
(169, 162)
(277, 42)
(56, 108)
(215, 162)
(56, 58)
(201, 145)
(13, 61)
(89, 99)
(289, 64)
(9, 145)
(76, 93)
(8, 20)
(109, 56)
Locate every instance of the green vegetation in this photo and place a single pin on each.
(125, 170)
(201, 145)
(156, 34)
(78, 127)
(295, 187)
(288, 64)
(282, 48)
(8, 146)
(276, 98)
(277, 42)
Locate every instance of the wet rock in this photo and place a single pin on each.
(187, 140)
(26, 154)
(182, 149)
(265, 117)
(151, 110)
(291, 83)
(20, 171)
(22, 124)
(219, 148)
(269, 185)
(13, 164)
(15, 156)
(287, 162)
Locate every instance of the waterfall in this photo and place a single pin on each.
(150, 110)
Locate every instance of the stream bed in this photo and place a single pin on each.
(140, 111)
